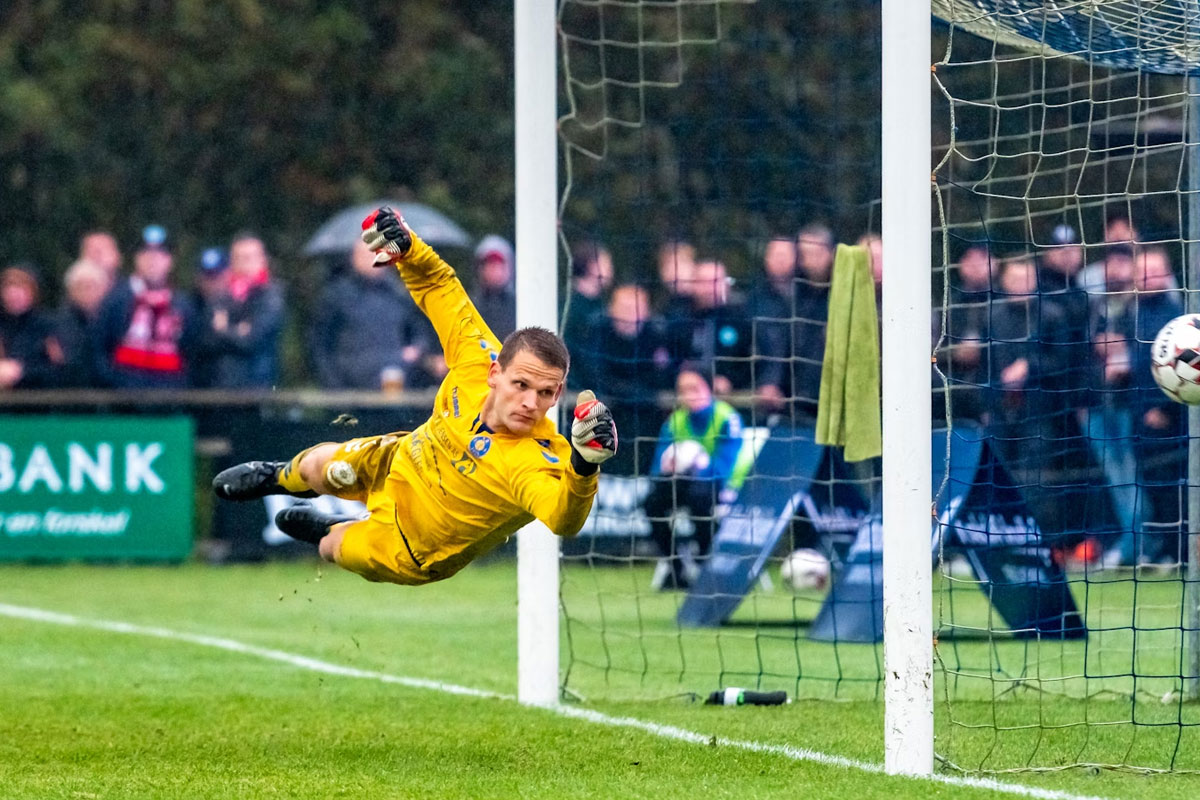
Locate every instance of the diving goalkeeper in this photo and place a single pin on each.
(486, 463)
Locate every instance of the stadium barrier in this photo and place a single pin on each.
(62, 454)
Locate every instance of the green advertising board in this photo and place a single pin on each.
(95, 488)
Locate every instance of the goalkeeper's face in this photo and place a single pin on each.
(521, 393)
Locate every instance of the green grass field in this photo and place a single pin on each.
(90, 711)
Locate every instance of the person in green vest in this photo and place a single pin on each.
(699, 462)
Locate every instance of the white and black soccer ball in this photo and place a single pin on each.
(1175, 359)
(805, 570)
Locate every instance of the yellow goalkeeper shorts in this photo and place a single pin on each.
(375, 548)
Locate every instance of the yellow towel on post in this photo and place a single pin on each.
(848, 406)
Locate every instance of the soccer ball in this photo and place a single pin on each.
(1175, 359)
(805, 569)
(683, 458)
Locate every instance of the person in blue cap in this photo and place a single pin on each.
(210, 296)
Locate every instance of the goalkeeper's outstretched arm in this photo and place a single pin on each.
(434, 286)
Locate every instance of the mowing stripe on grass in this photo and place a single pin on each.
(572, 712)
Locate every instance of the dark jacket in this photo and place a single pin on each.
(773, 316)
(75, 332)
(1066, 340)
(498, 309)
(30, 339)
(811, 311)
(245, 353)
(361, 326)
(1144, 317)
(582, 312)
(968, 321)
(1015, 335)
(720, 339)
(626, 369)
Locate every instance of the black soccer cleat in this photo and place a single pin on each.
(303, 521)
(253, 480)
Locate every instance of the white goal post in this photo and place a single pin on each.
(535, 42)
(907, 428)
(907, 490)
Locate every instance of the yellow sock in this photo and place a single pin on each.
(289, 477)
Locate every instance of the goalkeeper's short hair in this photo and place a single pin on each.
(548, 347)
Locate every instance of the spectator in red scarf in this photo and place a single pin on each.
(240, 338)
(145, 330)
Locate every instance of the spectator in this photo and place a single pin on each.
(1109, 416)
(696, 465)
(1065, 349)
(718, 333)
(241, 327)
(676, 268)
(1159, 424)
(967, 332)
(816, 247)
(811, 312)
(591, 277)
(771, 305)
(212, 276)
(1013, 362)
(1117, 231)
(1119, 263)
(366, 328)
(494, 288)
(100, 248)
(1064, 256)
(30, 354)
(87, 285)
(626, 357)
(145, 330)
(210, 298)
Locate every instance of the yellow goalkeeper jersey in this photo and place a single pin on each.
(459, 488)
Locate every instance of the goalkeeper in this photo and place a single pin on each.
(486, 463)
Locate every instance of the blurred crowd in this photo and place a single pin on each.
(1051, 352)
(1047, 348)
(141, 328)
(144, 329)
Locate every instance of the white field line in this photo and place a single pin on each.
(573, 712)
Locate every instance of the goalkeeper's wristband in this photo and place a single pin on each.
(581, 465)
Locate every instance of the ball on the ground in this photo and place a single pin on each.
(1175, 359)
(805, 570)
(684, 457)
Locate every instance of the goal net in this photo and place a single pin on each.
(714, 154)
(1065, 166)
(701, 140)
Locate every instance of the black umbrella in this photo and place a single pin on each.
(338, 234)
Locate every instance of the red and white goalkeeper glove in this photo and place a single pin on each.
(386, 234)
(593, 434)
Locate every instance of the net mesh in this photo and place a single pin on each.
(1063, 192)
(732, 132)
(694, 132)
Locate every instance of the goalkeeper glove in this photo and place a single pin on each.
(593, 434)
(386, 234)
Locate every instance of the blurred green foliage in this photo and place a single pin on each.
(212, 116)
